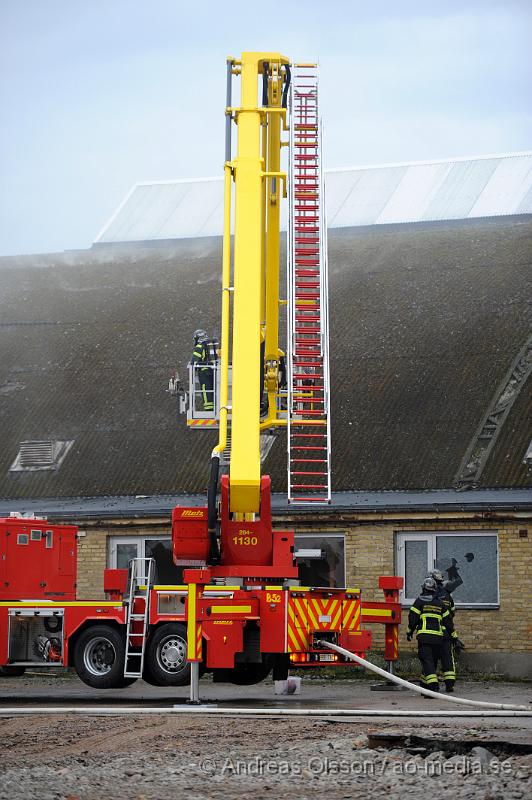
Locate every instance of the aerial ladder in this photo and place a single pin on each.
(293, 387)
(308, 421)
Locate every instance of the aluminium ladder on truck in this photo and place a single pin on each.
(309, 452)
(138, 614)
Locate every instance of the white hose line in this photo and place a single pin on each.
(256, 712)
(427, 692)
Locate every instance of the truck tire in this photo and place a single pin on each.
(99, 658)
(11, 671)
(166, 657)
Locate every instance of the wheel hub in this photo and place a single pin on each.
(172, 654)
(99, 656)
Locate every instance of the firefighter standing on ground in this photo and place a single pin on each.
(428, 619)
(451, 644)
(205, 355)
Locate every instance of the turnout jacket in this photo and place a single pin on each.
(446, 599)
(204, 353)
(430, 619)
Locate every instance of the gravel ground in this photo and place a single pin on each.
(161, 756)
(148, 758)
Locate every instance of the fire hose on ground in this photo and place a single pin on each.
(419, 689)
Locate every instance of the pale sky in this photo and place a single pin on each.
(97, 95)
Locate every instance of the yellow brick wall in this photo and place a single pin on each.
(370, 552)
(92, 560)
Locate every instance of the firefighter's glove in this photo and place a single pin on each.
(409, 636)
(459, 645)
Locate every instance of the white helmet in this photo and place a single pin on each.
(437, 574)
(429, 585)
(200, 335)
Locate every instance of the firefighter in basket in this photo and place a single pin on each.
(205, 356)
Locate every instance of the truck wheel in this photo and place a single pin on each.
(11, 671)
(166, 657)
(99, 658)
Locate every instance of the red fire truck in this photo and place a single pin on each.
(141, 629)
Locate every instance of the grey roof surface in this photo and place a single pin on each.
(426, 320)
(460, 188)
(357, 502)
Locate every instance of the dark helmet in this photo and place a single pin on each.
(437, 574)
(429, 585)
(200, 336)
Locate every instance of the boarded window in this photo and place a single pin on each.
(469, 560)
(476, 558)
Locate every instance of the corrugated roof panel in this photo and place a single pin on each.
(121, 224)
(369, 192)
(339, 185)
(525, 206)
(460, 189)
(506, 188)
(204, 212)
(450, 189)
(174, 210)
(415, 191)
(166, 204)
(145, 211)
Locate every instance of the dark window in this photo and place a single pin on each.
(321, 560)
(166, 572)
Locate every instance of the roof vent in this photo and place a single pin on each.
(39, 454)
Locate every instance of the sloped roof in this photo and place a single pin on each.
(458, 188)
(426, 320)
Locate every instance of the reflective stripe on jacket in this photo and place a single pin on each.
(428, 619)
(204, 353)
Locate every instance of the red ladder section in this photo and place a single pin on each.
(309, 457)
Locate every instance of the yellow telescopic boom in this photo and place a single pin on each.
(259, 185)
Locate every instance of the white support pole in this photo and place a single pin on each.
(194, 682)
